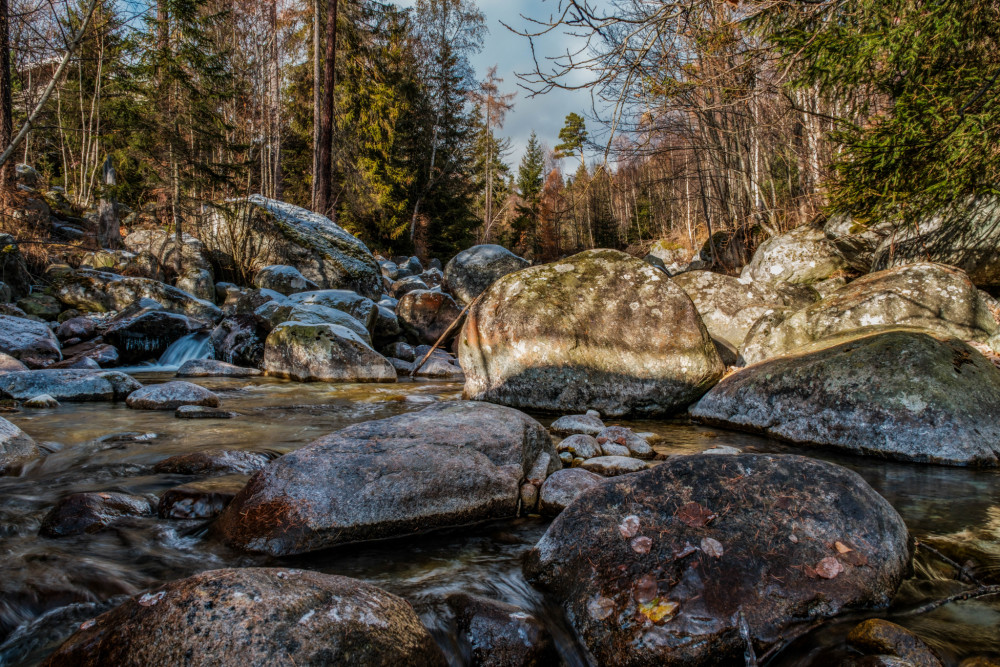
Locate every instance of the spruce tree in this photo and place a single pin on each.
(529, 185)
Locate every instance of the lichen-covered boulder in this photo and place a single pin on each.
(283, 279)
(359, 307)
(323, 353)
(804, 255)
(857, 242)
(170, 396)
(425, 315)
(256, 232)
(668, 253)
(99, 292)
(451, 464)
(314, 313)
(901, 394)
(69, 385)
(662, 567)
(729, 308)
(255, 616)
(472, 271)
(598, 330)
(30, 341)
(41, 305)
(16, 447)
(933, 297)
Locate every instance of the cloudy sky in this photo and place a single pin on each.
(511, 53)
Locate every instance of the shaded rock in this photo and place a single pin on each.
(101, 353)
(283, 279)
(84, 363)
(41, 401)
(440, 367)
(932, 297)
(83, 328)
(323, 352)
(451, 464)
(314, 313)
(197, 282)
(227, 295)
(386, 327)
(255, 232)
(472, 271)
(902, 395)
(13, 270)
(497, 634)
(856, 242)
(612, 466)
(41, 305)
(31, 342)
(170, 396)
(625, 437)
(9, 364)
(402, 351)
(212, 368)
(432, 277)
(803, 256)
(255, 616)
(657, 567)
(403, 368)
(70, 385)
(16, 447)
(598, 330)
(83, 513)
(563, 486)
(403, 286)
(204, 499)
(148, 334)
(580, 446)
(202, 412)
(359, 307)
(876, 636)
(239, 340)
(98, 292)
(426, 315)
(213, 462)
(27, 175)
(588, 424)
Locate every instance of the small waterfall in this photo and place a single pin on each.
(191, 346)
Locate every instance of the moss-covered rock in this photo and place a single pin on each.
(256, 232)
(900, 394)
(324, 353)
(598, 330)
(98, 292)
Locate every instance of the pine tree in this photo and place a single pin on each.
(573, 136)
(529, 185)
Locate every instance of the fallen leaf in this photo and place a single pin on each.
(856, 558)
(646, 589)
(629, 526)
(793, 538)
(685, 552)
(659, 611)
(842, 548)
(829, 568)
(712, 547)
(694, 515)
(600, 607)
(642, 545)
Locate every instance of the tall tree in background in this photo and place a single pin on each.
(6, 104)
(493, 105)
(324, 136)
(529, 186)
(573, 138)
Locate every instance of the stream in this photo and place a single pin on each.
(49, 586)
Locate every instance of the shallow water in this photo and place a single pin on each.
(105, 447)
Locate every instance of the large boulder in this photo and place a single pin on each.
(30, 341)
(100, 292)
(313, 313)
(451, 464)
(663, 567)
(323, 353)
(359, 307)
(16, 447)
(729, 308)
(598, 330)
(255, 616)
(148, 334)
(472, 271)
(256, 232)
(13, 270)
(857, 242)
(68, 385)
(426, 315)
(804, 256)
(283, 279)
(239, 339)
(901, 394)
(932, 297)
(196, 275)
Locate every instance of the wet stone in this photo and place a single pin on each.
(619, 435)
(877, 636)
(170, 396)
(213, 462)
(612, 466)
(582, 446)
(83, 513)
(497, 634)
(200, 500)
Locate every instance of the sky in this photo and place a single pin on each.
(544, 114)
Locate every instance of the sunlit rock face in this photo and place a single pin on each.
(662, 567)
(599, 330)
(803, 256)
(898, 394)
(473, 270)
(935, 298)
(255, 616)
(255, 232)
(323, 352)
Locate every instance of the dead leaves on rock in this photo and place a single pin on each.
(694, 515)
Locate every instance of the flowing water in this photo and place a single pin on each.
(49, 586)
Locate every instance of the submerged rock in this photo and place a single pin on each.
(324, 353)
(83, 513)
(204, 499)
(202, 412)
(283, 279)
(879, 637)
(659, 567)
(938, 299)
(497, 634)
(213, 462)
(170, 396)
(16, 447)
(41, 401)
(900, 394)
(30, 341)
(255, 616)
(255, 232)
(451, 464)
(472, 271)
(598, 330)
(211, 368)
(69, 385)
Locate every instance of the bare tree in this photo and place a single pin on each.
(324, 138)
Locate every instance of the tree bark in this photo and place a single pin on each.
(278, 189)
(317, 43)
(324, 139)
(108, 230)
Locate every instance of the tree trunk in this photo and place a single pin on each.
(317, 43)
(108, 230)
(6, 111)
(324, 171)
(278, 190)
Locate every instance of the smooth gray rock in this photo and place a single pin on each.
(472, 271)
(580, 446)
(563, 486)
(170, 396)
(451, 464)
(16, 447)
(588, 424)
(901, 394)
(612, 466)
(69, 385)
(625, 437)
(211, 368)
(360, 308)
(598, 330)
